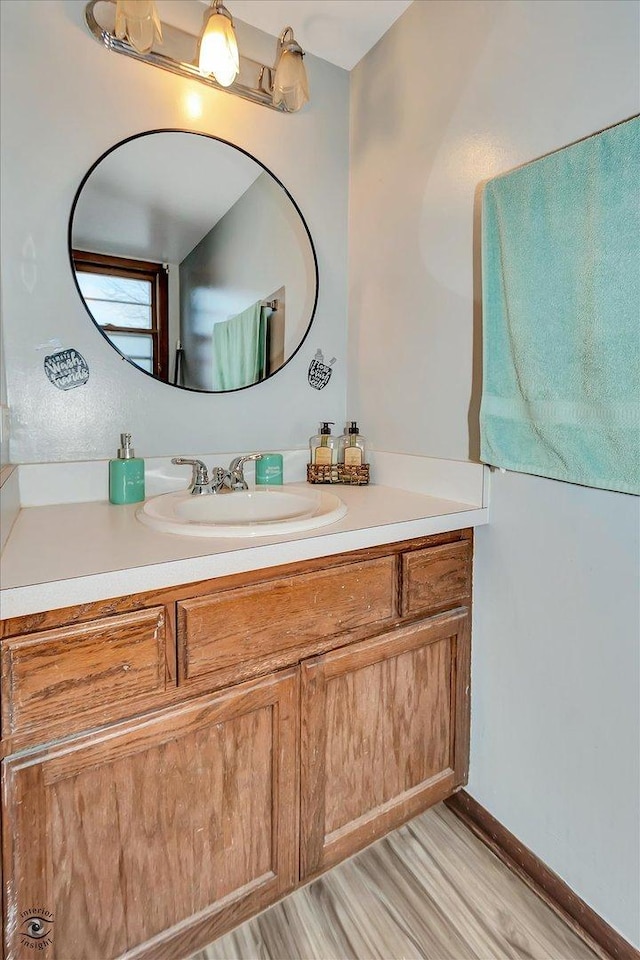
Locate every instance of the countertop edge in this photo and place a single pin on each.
(53, 595)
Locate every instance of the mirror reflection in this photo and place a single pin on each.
(193, 260)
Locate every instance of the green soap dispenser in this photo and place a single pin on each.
(126, 474)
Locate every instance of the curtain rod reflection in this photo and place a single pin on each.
(272, 305)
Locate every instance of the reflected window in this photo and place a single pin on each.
(128, 300)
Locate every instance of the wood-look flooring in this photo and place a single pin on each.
(428, 890)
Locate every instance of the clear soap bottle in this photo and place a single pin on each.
(351, 447)
(126, 474)
(322, 445)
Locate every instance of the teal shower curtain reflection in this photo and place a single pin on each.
(239, 349)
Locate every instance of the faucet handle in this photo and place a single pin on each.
(220, 480)
(236, 469)
(200, 476)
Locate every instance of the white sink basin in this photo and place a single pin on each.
(252, 513)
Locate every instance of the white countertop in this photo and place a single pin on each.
(65, 554)
(62, 554)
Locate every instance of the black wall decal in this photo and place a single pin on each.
(66, 369)
(319, 371)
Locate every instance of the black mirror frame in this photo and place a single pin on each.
(197, 133)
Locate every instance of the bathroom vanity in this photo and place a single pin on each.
(177, 759)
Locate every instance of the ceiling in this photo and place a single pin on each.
(340, 31)
(157, 196)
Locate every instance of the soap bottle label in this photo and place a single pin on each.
(352, 456)
(323, 456)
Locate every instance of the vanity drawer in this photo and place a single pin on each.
(436, 578)
(229, 630)
(85, 674)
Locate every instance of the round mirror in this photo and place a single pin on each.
(193, 260)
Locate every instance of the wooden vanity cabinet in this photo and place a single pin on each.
(156, 833)
(176, 761)
(384, 735)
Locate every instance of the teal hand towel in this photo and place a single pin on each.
(561, 314)
(239, 349)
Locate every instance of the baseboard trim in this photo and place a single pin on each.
(602, 938)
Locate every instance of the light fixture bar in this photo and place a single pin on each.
(174, 38)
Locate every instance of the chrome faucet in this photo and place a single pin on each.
(236, 470)
(222, 481)
(199, 478)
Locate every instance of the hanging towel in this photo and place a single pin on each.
(561, 314)
(239, 349)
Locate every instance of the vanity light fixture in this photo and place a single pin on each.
(138, 22)
(212, 58)
(218, 53)
(290, 84)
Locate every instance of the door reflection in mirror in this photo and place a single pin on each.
(231, 269)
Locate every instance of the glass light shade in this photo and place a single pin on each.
(219, 49)
(138, 22)
(290, 84)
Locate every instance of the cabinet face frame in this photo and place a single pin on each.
(28, 797)
(412, 561)
(322, 848)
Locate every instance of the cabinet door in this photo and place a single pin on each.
(385, 733)
(155, 836)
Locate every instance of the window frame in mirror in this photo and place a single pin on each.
(155, 275)
(71, 251)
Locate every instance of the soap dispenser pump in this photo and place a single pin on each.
(351, 446)
(322, 445)
(126, 474)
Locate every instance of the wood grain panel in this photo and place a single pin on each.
(390, 722)
(74, 670)
(156, 823)
(235, 627)
(436, 579)
(24, 830)
(379, 735)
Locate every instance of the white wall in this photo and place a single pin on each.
(457, 91)
(64, 101)
(556, 691)
(257, 247)
(4, 433)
